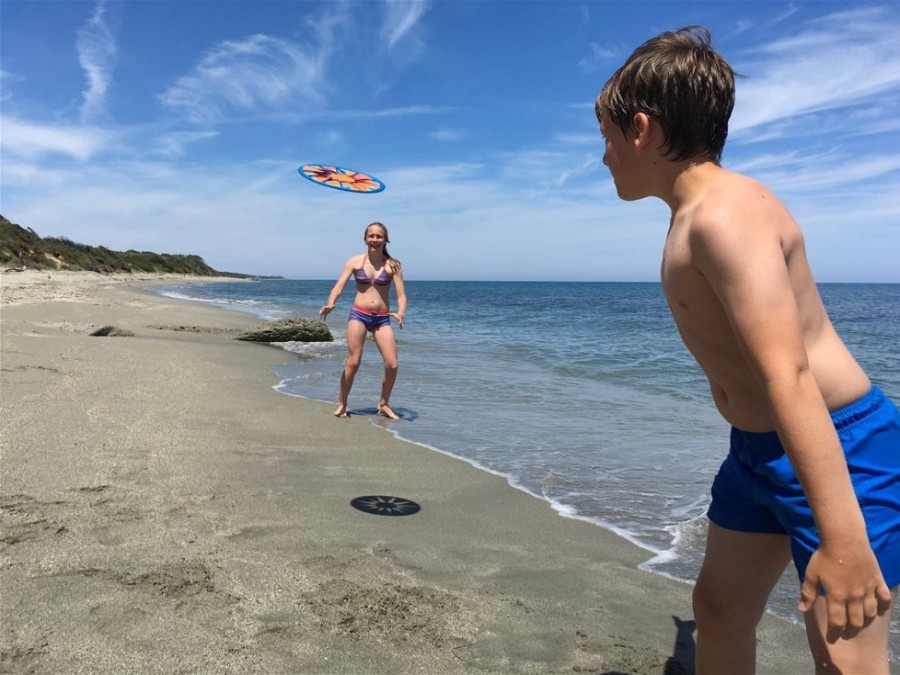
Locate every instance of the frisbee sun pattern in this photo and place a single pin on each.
(340, 178)
(385, 506)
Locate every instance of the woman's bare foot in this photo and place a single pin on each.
(385, 409)
(341, 411)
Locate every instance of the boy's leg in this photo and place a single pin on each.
(869, 430)
(738, 574)
(866, 652)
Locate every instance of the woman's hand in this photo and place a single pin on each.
(325, 310)
(399, 317)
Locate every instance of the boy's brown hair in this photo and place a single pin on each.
(680, 81)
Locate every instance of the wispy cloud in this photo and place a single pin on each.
(790, 77)
(365, 113)
(598, 58)
(841, 172)
(540, 170)
(579, 139)
(447, 134)
(30, 140)
(412, 110)
(791, 9)
(6, 79)
(400, 18)
(794, 171)
(97, 52)
(172, 145)
(742, 25)
(259, 72)
(330, 139)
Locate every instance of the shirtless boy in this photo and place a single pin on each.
(815, 448)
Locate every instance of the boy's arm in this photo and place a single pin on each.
(746, 267)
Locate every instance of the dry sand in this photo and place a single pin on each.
(166, 511)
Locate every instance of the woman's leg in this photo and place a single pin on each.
(387, 345)
(356, 339)
(739, 571)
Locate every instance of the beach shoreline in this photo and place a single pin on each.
(166, 510)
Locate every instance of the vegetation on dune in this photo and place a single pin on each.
(23, 248)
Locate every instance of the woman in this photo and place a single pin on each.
(373, 272)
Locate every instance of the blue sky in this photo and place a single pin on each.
(178, 127)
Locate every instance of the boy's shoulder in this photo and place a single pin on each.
(735, 215)
(736, 198)
(720, 184)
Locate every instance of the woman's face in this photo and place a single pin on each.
(375, 237)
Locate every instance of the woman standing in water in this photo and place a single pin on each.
(373, 272)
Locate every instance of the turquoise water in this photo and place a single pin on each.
(579, 393)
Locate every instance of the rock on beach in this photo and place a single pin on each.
(288, 330)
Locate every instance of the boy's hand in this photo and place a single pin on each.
(855, 591)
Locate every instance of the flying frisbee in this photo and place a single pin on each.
(340, 178)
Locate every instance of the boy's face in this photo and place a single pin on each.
(618, 156)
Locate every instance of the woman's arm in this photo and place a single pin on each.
(400, 289)
(338, 288)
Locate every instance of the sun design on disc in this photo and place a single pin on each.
(385, 506)
(341, 179)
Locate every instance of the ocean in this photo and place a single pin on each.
(578, 393)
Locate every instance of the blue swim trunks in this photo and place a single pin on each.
(370, 319)
(756, 489)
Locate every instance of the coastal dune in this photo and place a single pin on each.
(165, 510)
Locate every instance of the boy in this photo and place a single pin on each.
(814, 465)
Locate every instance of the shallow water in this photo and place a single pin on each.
(580, 393)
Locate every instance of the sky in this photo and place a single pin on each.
(178, 127)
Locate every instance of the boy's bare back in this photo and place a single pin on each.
(735, 274)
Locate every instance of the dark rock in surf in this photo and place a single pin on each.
(288, 330)
(112, 331)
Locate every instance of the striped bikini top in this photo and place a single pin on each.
(383, 279)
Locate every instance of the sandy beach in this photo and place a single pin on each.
(164, 510)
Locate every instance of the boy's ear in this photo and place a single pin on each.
(643, 131)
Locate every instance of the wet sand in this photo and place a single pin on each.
(164, 510)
